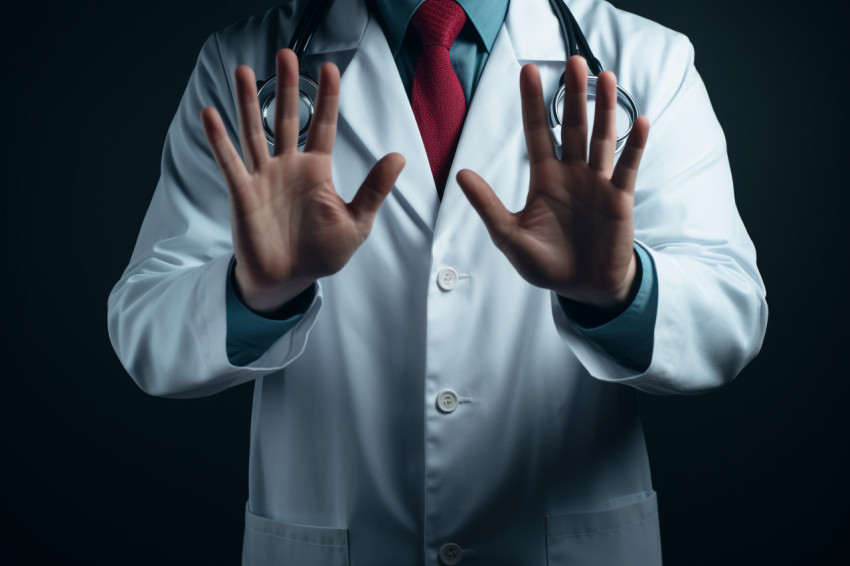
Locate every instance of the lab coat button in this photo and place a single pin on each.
(450, 553)
(447, 278)
(447, 401)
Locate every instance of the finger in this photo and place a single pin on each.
(232, 169)
(574, 123)
(603, 140)
(625, 173)
(322, 132)
(498, 220)
(255, 149)
(378, 184)
(538, 136)
(286, 123)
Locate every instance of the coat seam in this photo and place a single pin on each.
(621, 527)
(297, 540)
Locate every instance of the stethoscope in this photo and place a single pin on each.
(627, 110)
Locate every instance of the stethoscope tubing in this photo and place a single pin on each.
(307, 25)
(577, 45)
(575, 41)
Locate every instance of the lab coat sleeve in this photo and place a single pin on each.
(249, 334)
(628, 337)
(167, 313)
(712, 313)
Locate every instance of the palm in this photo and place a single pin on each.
(289, 225)
(308, 226)
(575, 234)
(575, 223)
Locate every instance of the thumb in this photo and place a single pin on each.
(378, 184)
(498, 219)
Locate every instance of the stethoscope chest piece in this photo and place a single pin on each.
(307, 92)
(627, 112)
(576, 44)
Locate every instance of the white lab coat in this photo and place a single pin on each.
(544, 460)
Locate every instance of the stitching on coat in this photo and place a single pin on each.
(605, 531)
(297, 540)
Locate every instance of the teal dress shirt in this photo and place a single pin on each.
(627, 338)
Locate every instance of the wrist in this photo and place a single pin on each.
(271, 301)
(596, 309)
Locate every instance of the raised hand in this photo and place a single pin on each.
(290, 227)
(575, 235)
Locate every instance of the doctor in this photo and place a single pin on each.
(437, 379)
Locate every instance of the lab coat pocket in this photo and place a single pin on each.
(269, 542)
(625, 535)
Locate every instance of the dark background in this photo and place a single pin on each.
(96, 472)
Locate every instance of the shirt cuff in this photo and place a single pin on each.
(249, 334)
(629, 337)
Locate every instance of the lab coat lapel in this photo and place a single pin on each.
(375, 107)
(492, 133)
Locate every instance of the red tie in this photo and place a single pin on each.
(437, 99)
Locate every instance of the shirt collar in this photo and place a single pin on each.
(486, 16)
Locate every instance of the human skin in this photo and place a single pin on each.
(575, 235)
(290, 227)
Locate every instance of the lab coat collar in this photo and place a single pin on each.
(342, 28)
(373, 102)
(371, 92)
(534, 30)
(532, 26)
(489, 136)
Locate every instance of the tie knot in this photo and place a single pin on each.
(438, 22)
